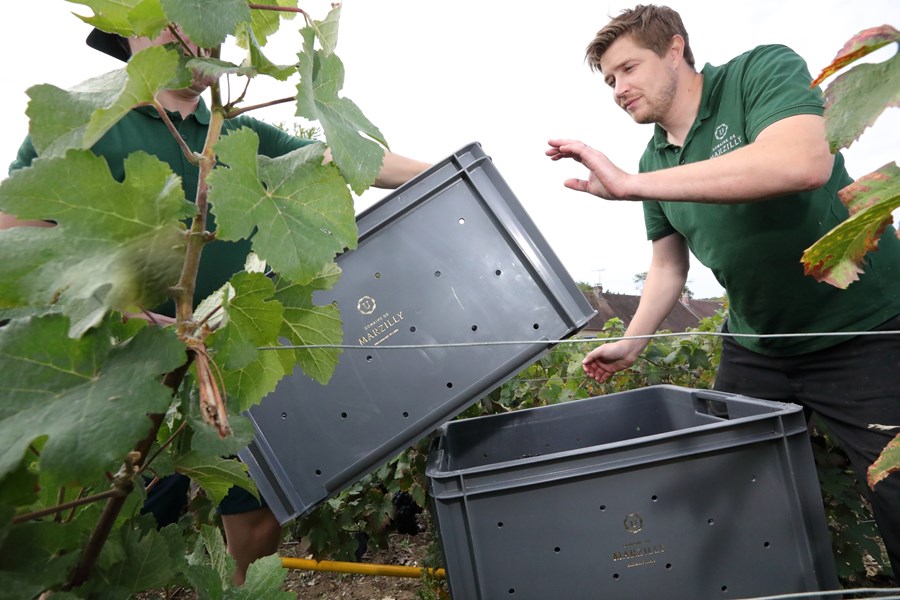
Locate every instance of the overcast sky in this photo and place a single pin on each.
(435, 76)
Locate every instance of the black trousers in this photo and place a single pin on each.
(849, 386)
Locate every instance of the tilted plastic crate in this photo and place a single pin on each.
(662, 492)
(450, 257)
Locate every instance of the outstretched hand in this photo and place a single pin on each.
(605, 179)
(606, 360)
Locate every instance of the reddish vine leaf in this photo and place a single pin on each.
(887, 463)
(837, 257)
(863, 43)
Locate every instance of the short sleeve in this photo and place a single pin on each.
(776, 86)
(24, 156)
(656, 222)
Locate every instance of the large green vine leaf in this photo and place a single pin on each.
(308, 324)
(125, 17)
(61, 119)
(88, 397)
(207, 22)
(149, 559)
(264, 23)
(301, 209)
(348, 132)
(254, 320)
(115, 245)
(837, 257)
(216, 475)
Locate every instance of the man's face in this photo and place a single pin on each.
(643, 83)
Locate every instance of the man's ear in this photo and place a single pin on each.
(676, 49)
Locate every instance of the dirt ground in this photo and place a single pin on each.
(403, 550)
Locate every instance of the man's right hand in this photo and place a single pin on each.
(604, 361)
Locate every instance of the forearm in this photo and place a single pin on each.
(662, 288)
(9, 221)
(787, 157)
(397, 170)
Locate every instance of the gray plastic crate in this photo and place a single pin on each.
(450, 257)
(662, 492)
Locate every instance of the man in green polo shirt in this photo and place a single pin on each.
(252, 531)
(739, 173)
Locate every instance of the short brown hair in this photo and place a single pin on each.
(649, 26)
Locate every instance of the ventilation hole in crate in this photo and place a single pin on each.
(537, 325)
(557, 549)
(498, 272)
(767, 545)
(602, 507)
(654, 497)
(512, 591)
(370, 358)
(615, 575)
(449, 384)
(412, 329)
(377, 275)
(405, 415)
(724, 588)
(462, 221)
(499, 523)
(474, 327)
(753, 479)
(437, 273)
(318, 472)
(344, 415)
(710, 521)
(668, 565)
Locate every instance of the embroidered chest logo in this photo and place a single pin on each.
(724, 142)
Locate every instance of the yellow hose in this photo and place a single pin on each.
(333, 566)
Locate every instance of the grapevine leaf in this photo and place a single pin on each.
(302, 209)
(348, 132)
(261, 64)
(265, 578)
(251, 383)
(43, 543)
(308, 324)
(837, 257)
(253, 320)
(327, 30)
(207, 22)
(266, 22)
(116, 245)
(206, 440)
(151, 559)
(216, 475)
(88, 397)
(856, 98)
(863, 43)
(216, 68)
(61, 119)
(125, 17)
(210, 544)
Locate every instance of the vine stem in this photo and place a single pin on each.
(239, 111)
(119, 494)
(67, 505)
(278, 8)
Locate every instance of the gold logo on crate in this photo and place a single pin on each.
(366, 305)
(633, 523)
(381, 328)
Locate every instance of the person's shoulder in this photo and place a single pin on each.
(765, 52)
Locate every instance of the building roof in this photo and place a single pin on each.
(685, 315)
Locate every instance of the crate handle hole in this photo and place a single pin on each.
(712, 407)
(462, 221)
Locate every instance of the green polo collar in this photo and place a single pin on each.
(711, 80)
(201, 114)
